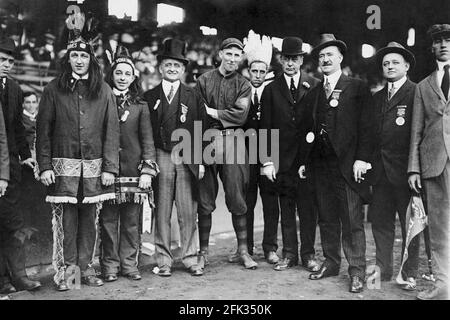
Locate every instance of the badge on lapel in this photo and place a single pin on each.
(184, 110)
(310, 137)
(156, 104)
(401, 113)
(335, 95)
(306, 85)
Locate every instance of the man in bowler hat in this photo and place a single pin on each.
(338, 145)
(392, 107)
(282, 109)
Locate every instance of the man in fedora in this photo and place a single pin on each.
(338, 146)
(12, 252)
(429, 163)
(226, 97)
(282, 109)
(173, 106)
(392, 107)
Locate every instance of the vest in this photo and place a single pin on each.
(168, 122)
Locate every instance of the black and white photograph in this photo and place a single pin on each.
(223, 156)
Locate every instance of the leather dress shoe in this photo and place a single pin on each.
(285, 263)
(356, 284)
(195, 270)
(110, 277)
(134, 276)
(272, 257)
(92, 281)
(324, 271)
(248, 262)
(23, 283)
(234, 258)
(7, 288)
(311, 265)
(62, 286)
(410, 285)
(165, 271)
(433, 293)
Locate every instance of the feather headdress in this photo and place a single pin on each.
(258, 48)
(82, 32)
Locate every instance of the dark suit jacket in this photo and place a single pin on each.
(392, 140)
(4, 153)
(278, 111)
(12, 113)
(188, 97)
(352, 137)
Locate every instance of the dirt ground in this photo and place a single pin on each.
(225, 281)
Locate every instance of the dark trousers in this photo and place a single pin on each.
(386, 202)
(340, 211)
(307, 215)
(276, 204)
(251, 197)
(79, 236)
(120, 237)
(235, 181)
(12, 251)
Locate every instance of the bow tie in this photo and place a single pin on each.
(122, 99)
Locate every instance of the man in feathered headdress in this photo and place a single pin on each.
(78, 155)
(259, 54)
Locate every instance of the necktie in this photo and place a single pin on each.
(327, 88)
(391, 92)
(293, 90)
(255, 99)
(170, 95)
(446, 81)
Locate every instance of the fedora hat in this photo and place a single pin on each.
(173, 49)
(439, 30)
(7, 45)
(327, 40)
(394, 47)
(292, 46)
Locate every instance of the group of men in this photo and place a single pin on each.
(335, 140)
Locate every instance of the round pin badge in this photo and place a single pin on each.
(310, 137)
(183, 118)
(334, 103)
(400, 121)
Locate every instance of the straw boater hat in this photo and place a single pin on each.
(327, 40)
(394, 47)
(173, 49)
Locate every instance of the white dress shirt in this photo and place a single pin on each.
(332, 79)
(166, 85)
(397, 85)
(296, 78)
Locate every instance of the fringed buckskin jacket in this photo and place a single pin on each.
(78, 138)
(137, 154)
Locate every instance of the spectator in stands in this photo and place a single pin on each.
(47, 52)
(30, 111)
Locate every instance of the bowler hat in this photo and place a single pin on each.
(292, 46)
(173, 49)
(7, 45)
(439, 30)
(231, 42)
(327, 40)
(394, 47)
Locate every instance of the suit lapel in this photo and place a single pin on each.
(284, 89)
(432, 80)
(341, 84)
(301, 91)
(399, 95)
(11, 99)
